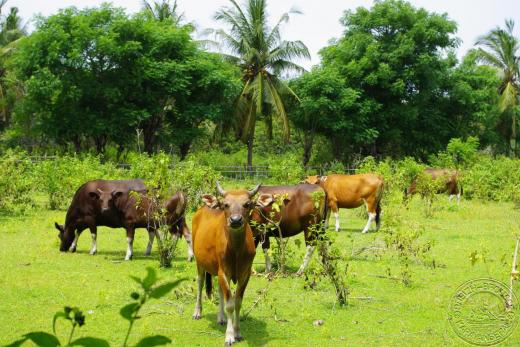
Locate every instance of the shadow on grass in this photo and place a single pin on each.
(253, 330)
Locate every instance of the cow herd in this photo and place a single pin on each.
(228, 227)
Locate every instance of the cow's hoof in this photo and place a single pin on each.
(364, 232)
(221, 321)
(197, 315)
(73, 250)
(128, 257)
(230, 340)
(93, 252)
(299, 273)
(238, 338)
(190, 258)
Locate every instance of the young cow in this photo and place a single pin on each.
(224, 247)
(451, 184)
(351, 191)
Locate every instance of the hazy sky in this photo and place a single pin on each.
(320, 19)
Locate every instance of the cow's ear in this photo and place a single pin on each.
(210, 201)
(59, 227)
(322, 178)
(93, 195)
(264, 200)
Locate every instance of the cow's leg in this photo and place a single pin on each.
(239, 295)
(335, 210)
(265, 247)
(187, 235)
(130, 232)
(306, 259)
(371, 209)
(221, 317)
(458, 198)
(75, 241)
(229, 302)
(451, 197)
(201, 275)
(327, 216)
(93, 233)
(151, 237)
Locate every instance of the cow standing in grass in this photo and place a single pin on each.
(299, 213)
(451, 186)
(352, 191)
(224, 247)
(112, 204)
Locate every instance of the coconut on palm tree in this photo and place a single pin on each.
(500, 49)
(262, 56)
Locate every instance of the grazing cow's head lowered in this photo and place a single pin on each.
(235, 204)
(104, 200)
(66, 238)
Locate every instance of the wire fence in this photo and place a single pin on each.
(240, 172)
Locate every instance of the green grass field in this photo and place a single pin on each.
(36, 280)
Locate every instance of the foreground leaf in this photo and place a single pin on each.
(164, 289)
(90, 342)
(150, 278)
(150, 341)
(43, 339)
(127, 311)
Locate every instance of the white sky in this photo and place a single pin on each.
(320, 20)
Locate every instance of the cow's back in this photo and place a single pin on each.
(82, 210)
(350, 191)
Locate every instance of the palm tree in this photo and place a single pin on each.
(500, 50)
(162, 11)
(262, 56)
(11, 31)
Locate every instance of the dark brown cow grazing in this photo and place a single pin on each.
(451, 178)
(110, 203)
(299, 213)
(224, 247)
(351, 191)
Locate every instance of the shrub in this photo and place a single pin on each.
(287, 170)
(16, 182)
(60, 178)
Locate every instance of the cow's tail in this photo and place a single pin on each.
(209, 284)
(379, 197)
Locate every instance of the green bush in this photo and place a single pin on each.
(16, 183)
(286, 170)
(60, 178)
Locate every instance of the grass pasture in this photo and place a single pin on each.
(36, 280)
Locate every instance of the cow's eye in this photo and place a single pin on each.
(248, 204)
(226, 205)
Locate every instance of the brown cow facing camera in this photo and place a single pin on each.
(112, 204)
(224, 247)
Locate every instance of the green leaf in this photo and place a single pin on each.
(157, 340)
(17, 343)
(56, 316)
(164, 289)
(137, 279)
(127, 311)
(90, 342)
(150, 278)
(43, 339)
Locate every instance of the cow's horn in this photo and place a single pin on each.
(220, 190)
(255, 190)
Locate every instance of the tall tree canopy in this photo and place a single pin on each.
(395, 58)
(262, 55)
(501, 49)
(97, 75)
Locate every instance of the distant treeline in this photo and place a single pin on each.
(98, 80)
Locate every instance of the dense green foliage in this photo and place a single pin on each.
(96, 76)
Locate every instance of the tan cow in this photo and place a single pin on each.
(452, 185)
(224, 247)
(351, 191)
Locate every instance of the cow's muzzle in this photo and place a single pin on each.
(236, 221)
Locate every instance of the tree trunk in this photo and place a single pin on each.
(120, 150)
(250, 152)
(77, 143)
(513, 135)
(308, 141)
(184, 149)
(150, 129)
(100, 142)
